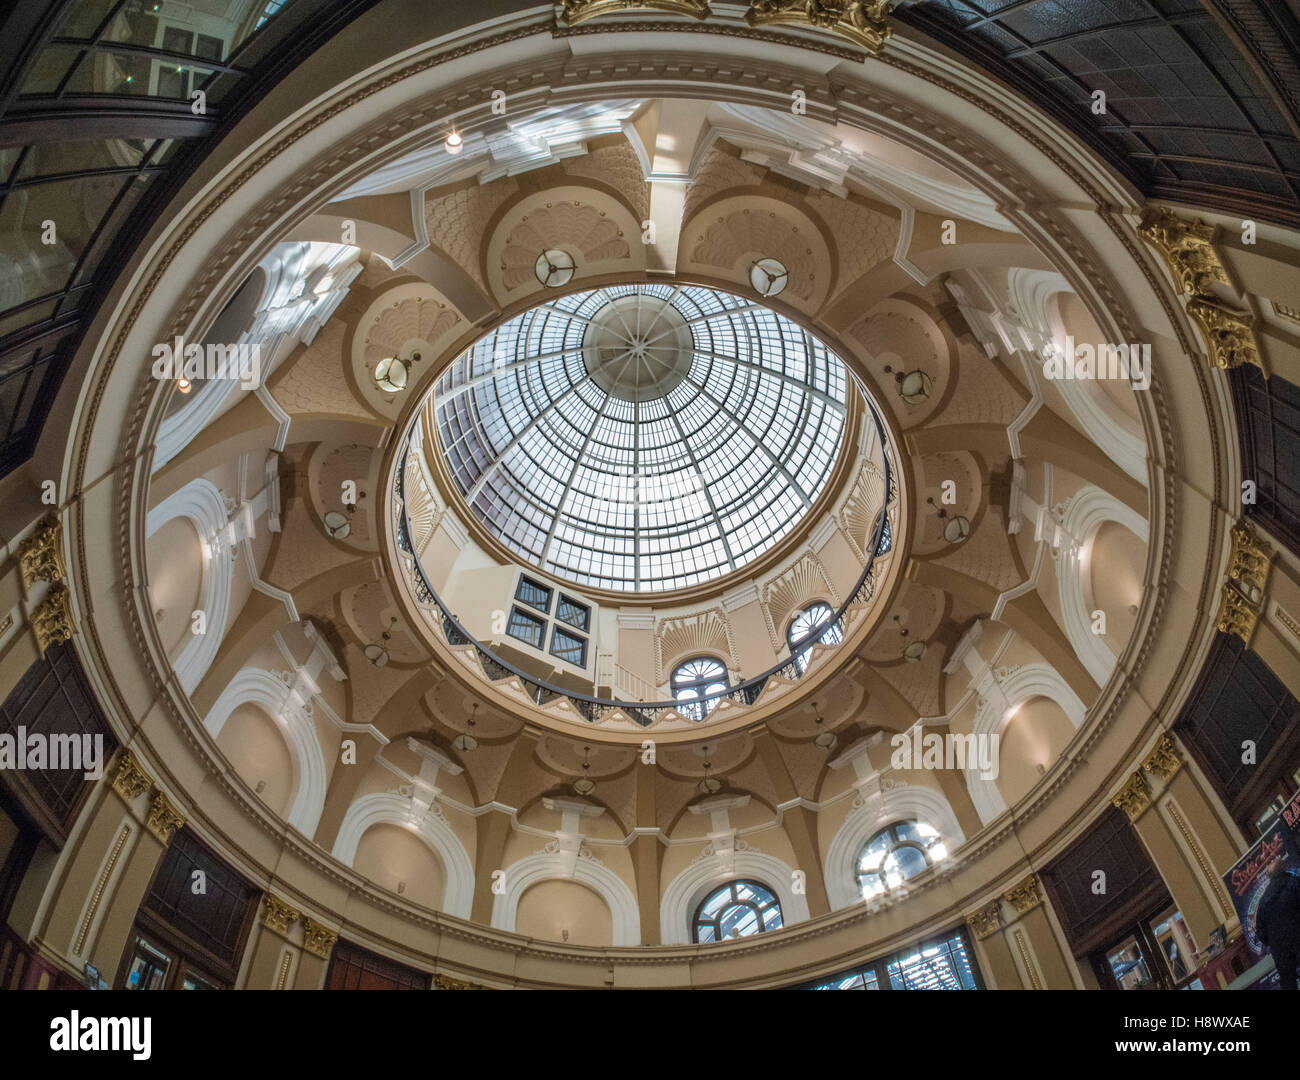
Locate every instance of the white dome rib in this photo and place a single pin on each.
(642, 438)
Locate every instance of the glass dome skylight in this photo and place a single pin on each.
(642, 438)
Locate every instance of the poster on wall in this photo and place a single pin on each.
(1249, 877)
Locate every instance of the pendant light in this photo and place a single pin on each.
(913, 386)
(824, 739)
(955, 529)
(585, 785)
(769, 277)
(465, 742)
(377, 653)
(710, 785)
(392, 373)
(555, 268)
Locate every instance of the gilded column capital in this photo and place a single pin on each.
(40, 556)
(129, 780)
(1025, 895)
(1134, 797)
(1236, 614)
(446, 982)
(1187, 248)
(52, 618)
(863, 22)
(987, 921)
(1165, 758)
(317, 939)
(1229, 333)
(163, 819)
(1248, 564)
(278, 915)
(576, 11)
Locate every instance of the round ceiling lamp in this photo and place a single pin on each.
(913, 386)
(710, 785)
(555, 268)
(824, 740)
(376, 653)
(392, 372)
(455, 143)
(914, 651)
(585, 785)
(337, 525)
(957, 529)
(465, 742)
(769, 277)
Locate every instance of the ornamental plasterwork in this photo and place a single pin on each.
(277, 915)
(163, 819)
(1187, 248)
(40, 556)
(1134, 797)
(52, 618)
(129, 779)
(863, 22)
(1237, 615)
(681, 636)
(317, 939)
(1248, 563)
(1025, 895)
(576, 11)
(987, 921)
(802, 583)
(1165, 758)
(446, 982)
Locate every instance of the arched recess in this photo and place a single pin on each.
(1089, 509)
(546, 865)
(1035, 296)
(382, 807)
(270, 692)
(685, 892)
(897, 804)
(1030, 681)
(201, 502)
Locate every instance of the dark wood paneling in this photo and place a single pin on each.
(354, 968)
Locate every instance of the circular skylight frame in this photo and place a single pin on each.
(577, 476)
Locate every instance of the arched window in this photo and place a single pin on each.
(695, 679)
(737, 909)
(816, 620)
(898, 852)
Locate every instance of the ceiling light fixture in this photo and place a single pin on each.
(391, 373)
(184, 385)
(455, 143)
(585, 785)
(376, 653)
(824, 739)
(555, 268)
(769, 277)
(710, 785)
(465, 742)
(913, 387)
(955, 529)
(338, 525)
(912, 650)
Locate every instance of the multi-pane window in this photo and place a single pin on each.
(527, 628)
(574, 614)
(568, 634)
(898, 852)
(533, 594)
(569, 647)
(657, 492)
(943, 963)
(695, 679)
(816, 621)
(737, 909)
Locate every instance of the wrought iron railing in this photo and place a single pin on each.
(594, 708)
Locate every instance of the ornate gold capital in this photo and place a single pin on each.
(1134, 797)
(1024, 896)
(1165, 758)
(277, 915)
(163, 819)
(1236, 615)
(576, 11)
(986, 921)
(1230, 334)
(1248, 565)
(317, 939)
(446, 982)
(1187, 248)
(41, 554)
(863, 22)
(52, 618)
(129, 780)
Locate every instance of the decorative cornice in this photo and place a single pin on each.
(277, 915)
(129, 780)
(1237, 615)
(317, 939)
(52, 618)
(1187, 248)
(1025, 895)
(987, 921)
(163, 819)
(1165, 758)
(1134, 797)
(446, 982)
(40, 556)
(863, 22)
(577, 11)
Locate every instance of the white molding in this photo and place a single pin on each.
(625, 915)
(385, 808)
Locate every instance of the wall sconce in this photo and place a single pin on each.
(913, 387)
